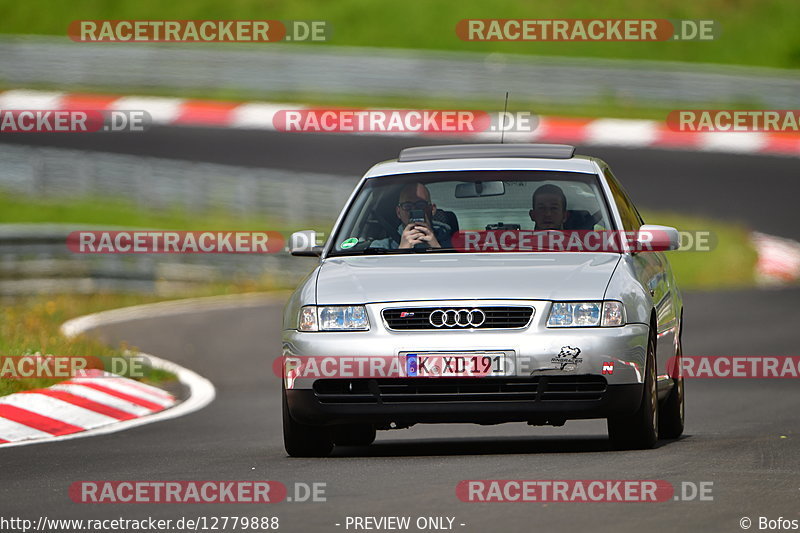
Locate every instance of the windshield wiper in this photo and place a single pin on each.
(381, 251)
(433, 250)
(365, 251)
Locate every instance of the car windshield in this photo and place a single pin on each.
(447, 203)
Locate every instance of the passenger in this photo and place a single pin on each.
(549, 208)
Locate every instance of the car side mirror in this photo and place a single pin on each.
(304, 244)
(655, 238)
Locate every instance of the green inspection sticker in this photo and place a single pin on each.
(349, 243)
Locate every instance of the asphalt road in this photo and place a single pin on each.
(742, 435)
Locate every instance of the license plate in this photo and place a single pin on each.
(455, 364)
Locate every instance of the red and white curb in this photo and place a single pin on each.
(259, 115)
(98, 404)
(778, 259)
(79, 404)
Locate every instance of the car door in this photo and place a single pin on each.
(652, 271)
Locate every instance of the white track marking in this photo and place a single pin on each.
(103, 398)
(119, 385)
(161, 110)
(257, 115)
(15, 432)
(58, 410)
(724, 141)
(24, 99)
(78, 325)
(619, 132)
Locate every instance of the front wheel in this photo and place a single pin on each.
(639, 431)
(301, 440)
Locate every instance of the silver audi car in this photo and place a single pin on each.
(445, 293)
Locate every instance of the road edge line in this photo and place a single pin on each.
(201, 390)
(81, 324)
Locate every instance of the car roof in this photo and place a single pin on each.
(461, 151)
(486, 157)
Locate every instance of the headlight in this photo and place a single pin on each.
(333, 318)
(583, 314)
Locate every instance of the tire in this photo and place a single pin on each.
(301, 440)
(353, 434)
(671, 412)
(639, 431)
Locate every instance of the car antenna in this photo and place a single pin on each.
(503, 121)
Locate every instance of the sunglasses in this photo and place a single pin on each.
(408, 206)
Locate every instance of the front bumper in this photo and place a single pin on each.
(313, 407)
(593, 390)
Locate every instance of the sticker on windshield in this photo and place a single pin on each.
(348, 243)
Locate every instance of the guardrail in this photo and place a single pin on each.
(35, 259)
(276, 194)
(261, 71)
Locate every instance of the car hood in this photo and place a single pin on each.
(392, 278)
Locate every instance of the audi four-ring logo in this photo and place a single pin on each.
(457, 317)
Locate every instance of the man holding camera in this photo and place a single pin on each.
(415, 211)
(419, 228)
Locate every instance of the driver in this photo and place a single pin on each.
(427, 233)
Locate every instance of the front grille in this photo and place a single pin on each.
(496, 317)
(431, 390)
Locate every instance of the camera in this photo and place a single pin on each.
(416, 215)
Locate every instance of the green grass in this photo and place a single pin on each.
(103, 211)
(31, 325)
(730, 264)
(754, 32)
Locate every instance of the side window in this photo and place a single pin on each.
(631, 220)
